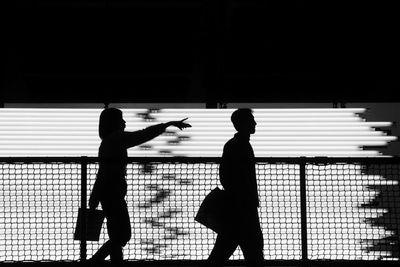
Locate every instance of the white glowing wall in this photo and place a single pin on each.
(280, 132)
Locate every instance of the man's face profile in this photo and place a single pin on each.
(252, 124)
(247, 124)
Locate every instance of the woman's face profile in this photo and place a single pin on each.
(118, 121)
(111, 120)
(122, 123)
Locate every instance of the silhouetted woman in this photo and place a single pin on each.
(110, 187)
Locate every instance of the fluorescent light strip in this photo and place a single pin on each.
(218, 136)
(273, 128)
(269, 110)
(162, 141)
(355, 139)
(265, 132)
(174, 110)
(89, 112)
(140, 124)
(265, 148)
(193, 120)
(168, 116)
(280, 143)
(145, 153)
(276, 119)
(192, 115)
(75, 146)
(221, 137)
(312, 124)
(208, 132)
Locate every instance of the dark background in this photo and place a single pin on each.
(199, 51)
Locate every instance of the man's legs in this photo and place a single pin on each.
(224, 247)
(102, 253)
(251, 240)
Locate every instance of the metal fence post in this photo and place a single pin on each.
(83, 207)
(303, 211)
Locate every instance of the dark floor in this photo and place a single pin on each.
(201, 263)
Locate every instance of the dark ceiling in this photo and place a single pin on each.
(199, 51)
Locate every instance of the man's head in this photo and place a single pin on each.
(110, 121)
(243, 121)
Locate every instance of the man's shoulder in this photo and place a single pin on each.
(230, 143)
(232, 148)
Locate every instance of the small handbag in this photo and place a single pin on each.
(212, 211)
(94, 222)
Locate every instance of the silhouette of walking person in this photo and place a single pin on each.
(238, 177)
(110, 186)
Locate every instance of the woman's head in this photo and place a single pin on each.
(110, 121)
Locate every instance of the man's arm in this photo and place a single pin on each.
(227, 168)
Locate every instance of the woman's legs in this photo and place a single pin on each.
(109, 249)
(119, 230)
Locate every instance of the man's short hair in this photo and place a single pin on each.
(240, 115)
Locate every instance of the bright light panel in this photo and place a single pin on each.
(280, 132)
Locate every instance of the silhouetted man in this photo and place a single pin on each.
(238, 177)
(110, 187)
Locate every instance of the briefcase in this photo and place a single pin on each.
(94, 222)
(212, 211)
